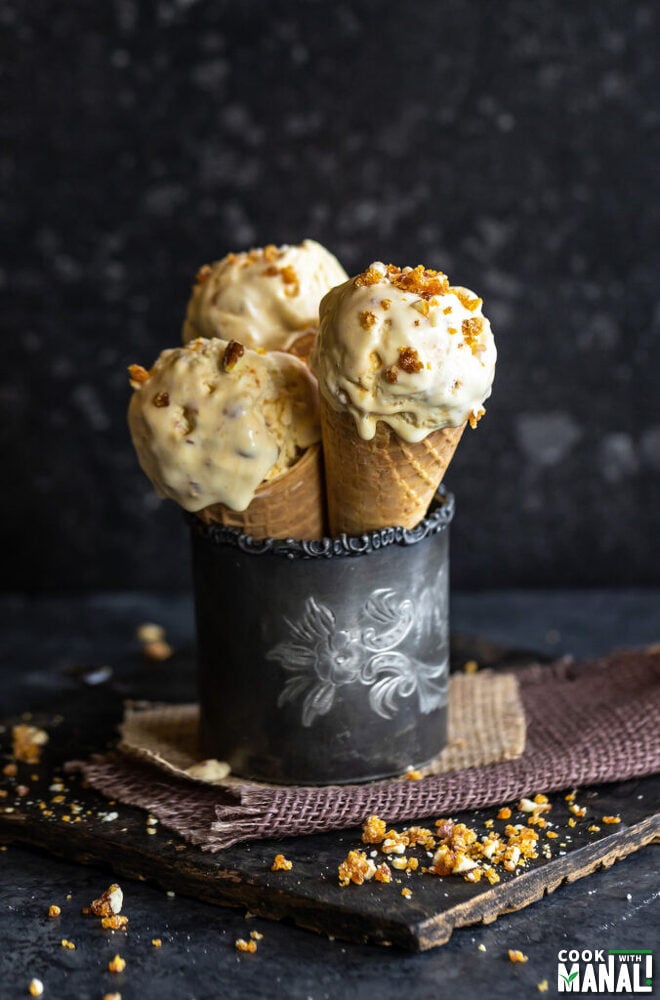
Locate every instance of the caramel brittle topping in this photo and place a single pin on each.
(409, 360)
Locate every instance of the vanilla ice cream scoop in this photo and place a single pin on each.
(211, 420)
(262, 298)
(404, 347)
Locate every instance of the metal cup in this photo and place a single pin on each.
(323, 662)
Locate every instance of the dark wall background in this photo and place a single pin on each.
(512, 144)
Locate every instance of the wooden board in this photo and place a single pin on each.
(309, 895)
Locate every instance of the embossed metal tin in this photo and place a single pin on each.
(327, 661)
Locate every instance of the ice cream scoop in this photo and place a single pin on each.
(264, 297)
(212, 420)
(404, 361)
(404, 347)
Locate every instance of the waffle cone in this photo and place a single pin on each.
(289, 506)
(382, 482)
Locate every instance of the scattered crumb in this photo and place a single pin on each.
(149, 632)
(517, 956)
(481, 947)
(611, 819)
(593, 828)
(158, 651)
(114, 923)
(35, 988)
(27, 743)
(383, 873)
(117, 964)
(256, 936)
(357, 868)
(109, 902)
(68, 944)
(470, 667)
(542, 987)
(413, 775)
(406, 893)
(373, 831)
(242, 945)
(281, 864)
(54, 910)
(157, 942)
(504, 813)
(112, 996)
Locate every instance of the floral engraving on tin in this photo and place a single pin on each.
(319, 658)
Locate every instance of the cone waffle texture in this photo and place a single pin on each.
(382, 482)
(289, 506)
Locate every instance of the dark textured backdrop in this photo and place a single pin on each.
(512, 144)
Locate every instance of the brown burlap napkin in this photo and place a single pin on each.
(586, 723)
(486, 724)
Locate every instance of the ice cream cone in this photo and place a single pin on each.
(382, 482)
(289, 506)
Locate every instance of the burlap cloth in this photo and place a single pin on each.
(585, 723)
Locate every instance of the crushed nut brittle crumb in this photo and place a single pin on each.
(157, 942)
(542, 987)
(383, 873)
(517, 956)
(281, 864)
(373, 830)
(357, 868)
(256, 936)
(68, 944)
(406, 893)
(409, 360)
(413, 775)
(54, 910)
(35, 988)
(504, 813)
(117, 964)
(611, 819)
(242, 945)
(109, 902)
(27, 743)
(114, 923)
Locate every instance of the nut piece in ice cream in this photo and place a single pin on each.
(264, 297)
(404, 347)
(210, 422)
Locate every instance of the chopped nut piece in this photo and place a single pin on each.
(109, 902)
(233, 354)
(281, 864)
(356, 868)
(159, 650)
(27, 743)
(54, 910)
(117, 964)
(242, 945)
(35, 988)
(611, 819)
(150, 632)
(383, 873)
(517, 956)
(373, 831)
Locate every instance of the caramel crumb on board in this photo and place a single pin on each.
(117, 964)
(108, 904)
(35, 988)
(281, 864)
(413, 775)
(157, 942)
(542, 987)
(158, 651)
(27, 743)
(357, 868)
(68, 944)
(406, 893)
(383, 873)
(242, 945)
(593, 828)
(517, 956)
(611, 819)
(504, 813)
(114, 923)
(373, 831)
(54, 910)
(470, 667)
